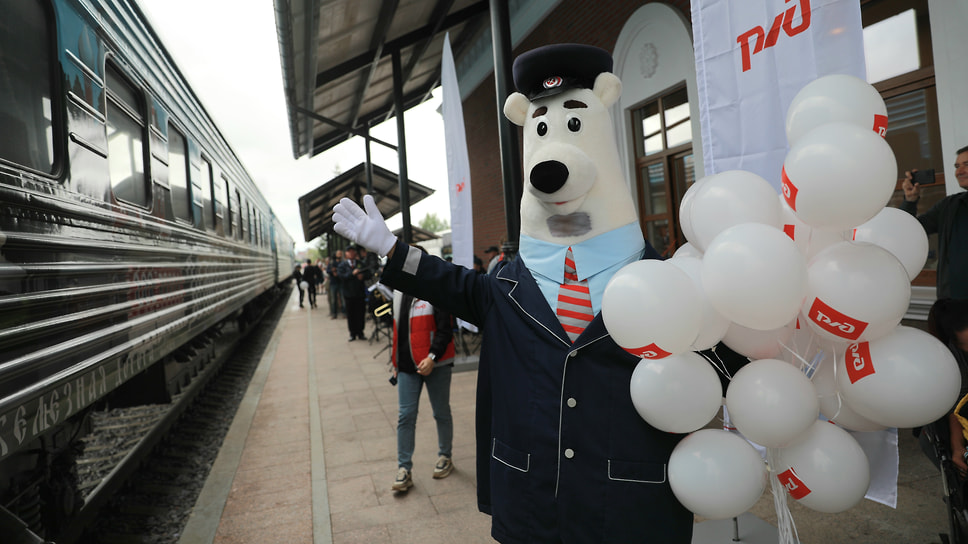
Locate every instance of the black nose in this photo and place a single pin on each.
(549, 176)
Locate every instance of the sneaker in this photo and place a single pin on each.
(443, 468)
(404, 481)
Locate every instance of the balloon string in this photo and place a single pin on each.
(786, 528)
(718, 364)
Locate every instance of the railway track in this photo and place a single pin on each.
(142, 467)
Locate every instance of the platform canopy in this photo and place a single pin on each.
(316, 207)
(338, 56)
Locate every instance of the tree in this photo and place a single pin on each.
(432, 223)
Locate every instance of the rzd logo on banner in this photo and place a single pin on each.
(764, 40)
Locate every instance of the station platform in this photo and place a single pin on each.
(311, 455)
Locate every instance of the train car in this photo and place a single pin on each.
(128, 226)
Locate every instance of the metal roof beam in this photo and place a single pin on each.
(407, 40)
(379, 37)
(365, 134)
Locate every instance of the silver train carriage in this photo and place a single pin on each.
(127, 224)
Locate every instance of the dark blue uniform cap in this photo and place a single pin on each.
(553, 69)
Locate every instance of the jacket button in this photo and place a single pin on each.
(569, 453)
(573, 353)
(572, 402)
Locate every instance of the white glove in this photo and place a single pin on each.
(365, 228)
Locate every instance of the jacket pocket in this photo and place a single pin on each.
(518, 460)
(636, 472)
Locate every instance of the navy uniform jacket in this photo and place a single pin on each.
(562, 455)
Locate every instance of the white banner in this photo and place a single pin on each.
(458, 166)
(752, 57)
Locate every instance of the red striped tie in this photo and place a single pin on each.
(574, 301)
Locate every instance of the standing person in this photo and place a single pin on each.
(949, 219)
(493, 256)
(353, 277)
(423, 354)
(298, 276)
(335, 293)
(312, 275)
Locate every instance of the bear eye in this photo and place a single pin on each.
(574, 124)
(542, 128)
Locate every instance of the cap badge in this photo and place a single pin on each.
(552, 82)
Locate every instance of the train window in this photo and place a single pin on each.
(229, 208)
(208, 189)
(26, 110)
(126, 139)
(181, 202)
(237, 215)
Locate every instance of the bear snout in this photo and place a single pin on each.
(549, 176)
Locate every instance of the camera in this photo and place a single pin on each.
(923, 177)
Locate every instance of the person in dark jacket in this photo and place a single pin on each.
(353, 276)
(335, 292)
(298, 276)
(423, 354)
(949, 219)
(313, 276)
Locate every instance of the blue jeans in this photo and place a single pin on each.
(408, 390)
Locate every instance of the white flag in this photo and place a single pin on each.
(752, 57)
(458, 166)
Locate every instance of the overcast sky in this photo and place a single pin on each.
(228, 51)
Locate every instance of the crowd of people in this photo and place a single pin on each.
(344, 279)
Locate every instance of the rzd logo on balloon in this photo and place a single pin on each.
(651, 351)
(880, 125)
(793, 484)
(858, 361)
(789, 190)
(834, 322)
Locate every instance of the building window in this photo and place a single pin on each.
(900, 65)
(126, 139)
(27, 134)
(664, 166)
(181, 202)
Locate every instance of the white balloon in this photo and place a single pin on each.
(838, 176)
(832, 405)
(771, 402)
(678, 394)
(687, 250)
(685, 209)
(731, 198)
(630, 307)
(826, 470)
(905, 379)
(713, 325)
(835, 98)
(716, 474)
(754, 275)
(855, 291)
(304, 285)
(757, 344)
(901, 234)
(809, 240)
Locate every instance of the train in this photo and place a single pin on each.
(128, 227)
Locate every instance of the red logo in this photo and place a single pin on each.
(793, 484)
(651, 351)
(834, 322)
(460, 186)
(764, 40)
(858, 360)
(790, 230)
(789, 190)
(552, 82)
(880, 125)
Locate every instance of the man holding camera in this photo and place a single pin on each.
(949, 219)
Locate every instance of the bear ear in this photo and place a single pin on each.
(516, 108)
(608, 87)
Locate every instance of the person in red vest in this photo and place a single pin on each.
(423, 354)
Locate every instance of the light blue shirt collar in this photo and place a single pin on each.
(596, 260)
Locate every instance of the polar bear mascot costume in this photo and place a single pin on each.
(562, 455)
